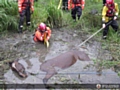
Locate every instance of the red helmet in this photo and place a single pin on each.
(42, 27)
(109, 1)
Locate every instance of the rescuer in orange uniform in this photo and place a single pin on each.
(25, 7)
(40, 33)
(77, 6)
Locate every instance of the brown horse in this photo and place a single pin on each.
(19, 68)
(62, 61)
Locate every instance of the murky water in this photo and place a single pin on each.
(31, 55)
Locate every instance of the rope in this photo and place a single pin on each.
(94, 34)
(90, 37)
(59, 4)
(76, 73)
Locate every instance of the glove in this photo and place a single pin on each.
(103, 25)
(20, 10)
(32, 9)
(115, 17)
(48, 38)
(41, 38)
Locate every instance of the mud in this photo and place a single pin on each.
(32, 54)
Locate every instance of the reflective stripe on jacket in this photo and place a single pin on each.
(72, 5)
(22, 4)
(106, 18)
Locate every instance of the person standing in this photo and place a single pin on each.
(109, 13)
(25, 8)
(77, 6)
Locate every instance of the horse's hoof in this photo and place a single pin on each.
(45, 81)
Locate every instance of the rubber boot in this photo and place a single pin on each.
(20, 29)
(28, 23)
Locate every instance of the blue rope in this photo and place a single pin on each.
(82, 73)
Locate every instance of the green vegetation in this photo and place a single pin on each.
(8, 15)
(47, 11)
(54, 15)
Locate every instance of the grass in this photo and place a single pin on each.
(8, 15)
(54, 16)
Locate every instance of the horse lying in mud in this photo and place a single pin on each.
(19, 68)
(62, 61)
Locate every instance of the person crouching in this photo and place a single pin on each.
(42, 33)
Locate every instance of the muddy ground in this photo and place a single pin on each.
(21, 46)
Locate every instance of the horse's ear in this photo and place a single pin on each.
(10, 63)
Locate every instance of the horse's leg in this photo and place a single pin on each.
(49, 74)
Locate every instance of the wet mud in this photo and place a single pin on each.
(31, 55)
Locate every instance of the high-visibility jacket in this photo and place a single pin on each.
(22, 4)
(72, 5)
(105, 16)
(40, 36)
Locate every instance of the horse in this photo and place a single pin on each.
(63, 61)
